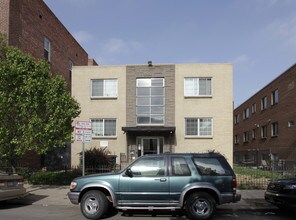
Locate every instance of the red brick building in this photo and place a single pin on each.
(264, 125)
(31, 26)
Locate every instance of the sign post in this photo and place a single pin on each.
(83, 133)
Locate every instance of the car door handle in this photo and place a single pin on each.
(161, 179)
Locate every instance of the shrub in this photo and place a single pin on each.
(97, 156)
(54, 178)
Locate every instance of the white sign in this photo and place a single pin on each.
(83, 131)
(103, 143)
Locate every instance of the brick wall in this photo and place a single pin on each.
(143, 71)
(283, 145)
(30, 21)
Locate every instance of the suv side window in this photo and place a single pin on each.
(210, 167)
(180, 167)
(148, 167)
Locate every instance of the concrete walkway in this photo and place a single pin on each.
(57, 195)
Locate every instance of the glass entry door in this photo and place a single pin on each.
(150, 145)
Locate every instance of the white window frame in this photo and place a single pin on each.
(195, 92)
(114, 94)
(198, 135)
(47, 48)
(103, 128)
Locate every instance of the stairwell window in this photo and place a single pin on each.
(197, 87)
(104, 88)
(150, 101)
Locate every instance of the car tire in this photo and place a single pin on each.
(94, 204)
(200, 206)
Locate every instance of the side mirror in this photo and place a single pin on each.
(129, 172)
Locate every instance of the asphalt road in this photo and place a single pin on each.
(18, 211)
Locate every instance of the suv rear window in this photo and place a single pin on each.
(210, 167)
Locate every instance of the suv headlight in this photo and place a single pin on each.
(290, 187)
(73, 185)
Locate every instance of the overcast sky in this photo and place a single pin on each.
(257, 36)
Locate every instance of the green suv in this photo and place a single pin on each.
(194, 182)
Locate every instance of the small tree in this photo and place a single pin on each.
(36, 109)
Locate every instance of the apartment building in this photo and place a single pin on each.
(155, 108)
(264, 128)
(32, 27)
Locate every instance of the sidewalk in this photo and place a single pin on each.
(57, 195)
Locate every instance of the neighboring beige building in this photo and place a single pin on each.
(151, 109)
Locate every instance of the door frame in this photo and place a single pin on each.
(140, 145)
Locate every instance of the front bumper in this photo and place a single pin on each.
(280, 199)
(74, 197)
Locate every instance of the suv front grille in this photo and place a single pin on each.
(275, 187)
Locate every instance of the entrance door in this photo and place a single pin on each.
(150, 145)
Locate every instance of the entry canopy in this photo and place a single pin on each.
(149, 129)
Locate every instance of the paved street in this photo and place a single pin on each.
(47, 203)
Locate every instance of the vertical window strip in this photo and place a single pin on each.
(150, 101)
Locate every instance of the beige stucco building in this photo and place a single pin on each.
(151, 109)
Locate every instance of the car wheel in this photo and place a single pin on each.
(94, 204)
(200, 206)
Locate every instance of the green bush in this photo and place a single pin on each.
(53, 178)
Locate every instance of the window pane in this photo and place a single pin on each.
(157, 110)
(191, 126)
(157, 91)
(143, 82)
(157, 82)
(143, 91)
(157, 119)
(205, 86)
(110, 127)
(97, 127)
(110, 89)
(143, 101)
(97, 88)
(143, 110)
(157, 101)
(143, 120)
(191, 87)
(205, 127)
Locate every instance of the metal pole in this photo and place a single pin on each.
(83, 159)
